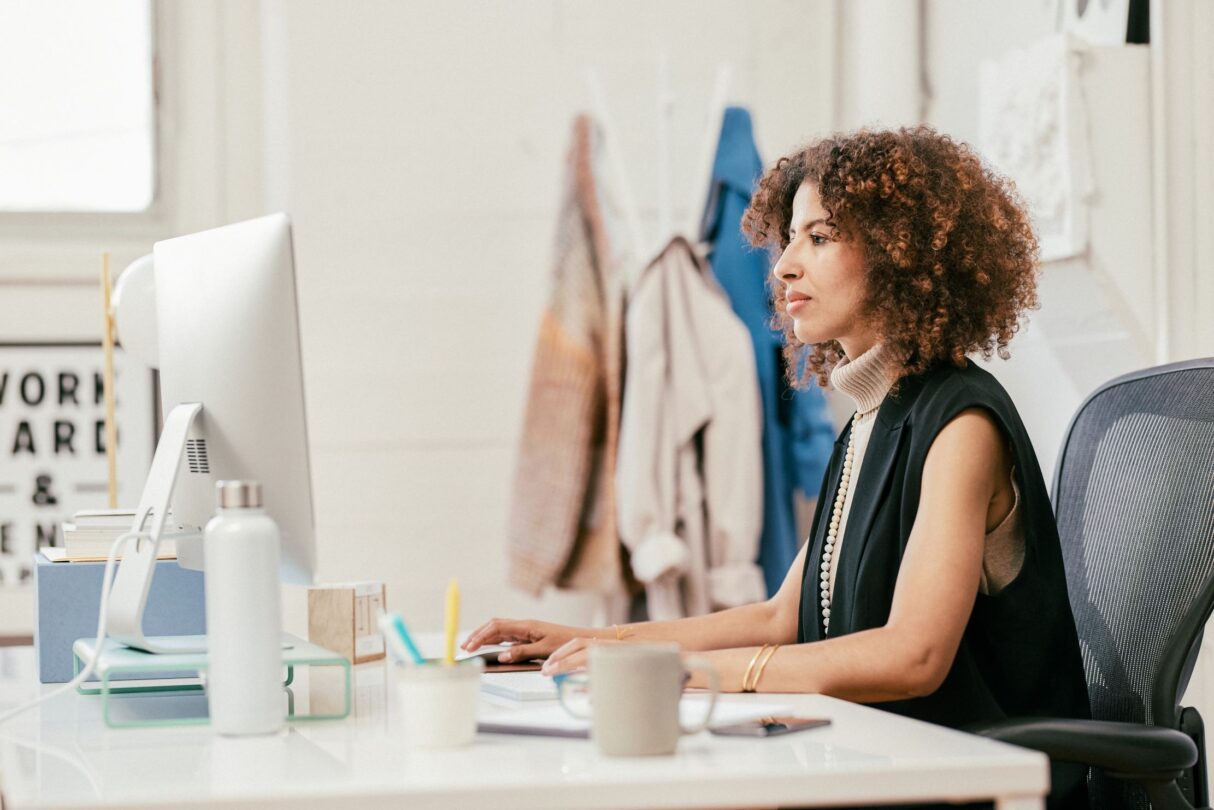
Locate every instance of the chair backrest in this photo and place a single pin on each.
(1134, 498)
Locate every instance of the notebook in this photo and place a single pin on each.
(519, 685)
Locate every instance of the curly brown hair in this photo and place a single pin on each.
(950, 255)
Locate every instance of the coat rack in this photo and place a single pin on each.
(617, 166)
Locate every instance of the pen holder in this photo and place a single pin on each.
(438, 703)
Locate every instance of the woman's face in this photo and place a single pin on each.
(823, 278)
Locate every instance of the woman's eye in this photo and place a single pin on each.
(818, 239)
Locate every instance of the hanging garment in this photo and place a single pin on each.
(690, 474)
(797, 433)
(562, 528)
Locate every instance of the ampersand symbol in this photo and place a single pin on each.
(42, 491)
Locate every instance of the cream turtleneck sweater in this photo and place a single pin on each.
(866, 381)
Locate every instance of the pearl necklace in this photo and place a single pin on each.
(836, 516)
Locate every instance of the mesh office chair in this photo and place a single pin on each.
(1134, 497)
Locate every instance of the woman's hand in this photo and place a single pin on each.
(573, 655)
(530, 639)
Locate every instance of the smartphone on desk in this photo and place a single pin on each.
(770, 726)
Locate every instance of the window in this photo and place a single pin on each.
(77, 106)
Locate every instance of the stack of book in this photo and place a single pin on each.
(91, 533)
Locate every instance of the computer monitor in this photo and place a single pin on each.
(231, 385)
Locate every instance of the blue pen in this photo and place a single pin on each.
(399, 625)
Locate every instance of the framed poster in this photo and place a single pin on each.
(52, 440)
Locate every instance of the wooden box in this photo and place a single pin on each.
(344, 618)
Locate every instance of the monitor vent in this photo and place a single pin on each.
(196, 455)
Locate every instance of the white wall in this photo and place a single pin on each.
(419, 148)
(958, 35)
(879, 63)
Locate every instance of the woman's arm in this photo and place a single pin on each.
(934, 595)
(771, 622)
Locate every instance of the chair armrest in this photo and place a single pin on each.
(1132, 750)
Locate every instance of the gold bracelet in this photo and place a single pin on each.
(746, 685)
(762, 665)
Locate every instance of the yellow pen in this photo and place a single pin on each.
(452, 621)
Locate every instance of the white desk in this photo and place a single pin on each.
(61, 755)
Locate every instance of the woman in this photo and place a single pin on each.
(932, 582)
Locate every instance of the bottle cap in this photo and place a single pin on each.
(238, 494)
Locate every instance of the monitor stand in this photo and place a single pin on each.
(130, 592)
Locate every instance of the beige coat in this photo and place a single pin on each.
(690, 466)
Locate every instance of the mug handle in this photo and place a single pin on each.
(565, 679)
(696, 664)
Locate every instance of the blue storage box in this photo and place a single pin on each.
(67, 595)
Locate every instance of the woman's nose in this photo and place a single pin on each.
(787, 268)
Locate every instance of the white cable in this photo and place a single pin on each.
(77, 762)
(106, 582)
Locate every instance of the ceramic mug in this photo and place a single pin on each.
(634, 692)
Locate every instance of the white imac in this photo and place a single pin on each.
(231, 386)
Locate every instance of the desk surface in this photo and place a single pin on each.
(61, 755)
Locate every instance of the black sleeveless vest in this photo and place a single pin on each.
(1019, 656)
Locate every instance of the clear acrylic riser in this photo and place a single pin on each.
(171, 691)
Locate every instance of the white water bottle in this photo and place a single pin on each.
(244, 615)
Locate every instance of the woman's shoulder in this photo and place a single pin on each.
(971, 380)
(943, 391)
(929, 401)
